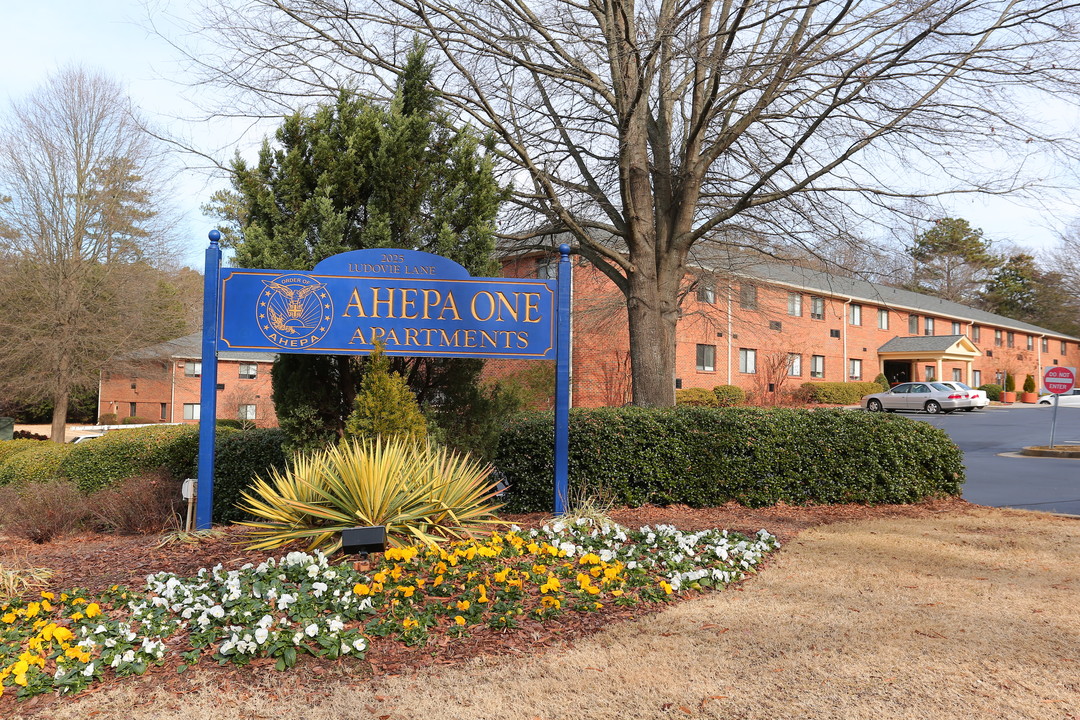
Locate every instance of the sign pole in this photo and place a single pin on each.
(1053, 421)
(1057, 379)
(208, 388)
(562, 381)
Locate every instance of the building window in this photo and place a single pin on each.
(706, 291)
(817, 308)
(976, 334)
(997, 338)
(191, 411)
(913, 325)
(976, 378)
(999, 378)
(776, 325)
(956, 328)
(748, 297)
(854, 369)
(794, 365)
(1030, 342)
(817, 366)
(957, 375)
(1010, 339)
(546, 268)
(855, 314)
(706, 358)
(929, 326)
(930, 373)
(747, 360)
(1046, 344)
(132, 411)
(193, 369)
(794, 304)
(883, 319)
(248, 371)
(1064, 347)
(246, 412)
(164, 411)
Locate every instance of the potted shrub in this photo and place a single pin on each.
(1008, 395)
(1029, 395)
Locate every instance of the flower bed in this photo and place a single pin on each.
(301, 604)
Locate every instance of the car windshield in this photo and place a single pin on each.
(941, 386)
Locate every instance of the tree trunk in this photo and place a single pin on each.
(652, 310)
(59, 418)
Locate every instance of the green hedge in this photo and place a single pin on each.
(840, 393)
(705, 457)
(11, 447)
(37, 464)
(238, 459)
(120, 454)
(729, 395)
(699, 397)
(992, 390)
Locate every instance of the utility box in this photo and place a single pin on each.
(7, 428)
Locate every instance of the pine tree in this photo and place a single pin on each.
(385, 407)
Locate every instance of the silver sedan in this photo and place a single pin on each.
(930, 397)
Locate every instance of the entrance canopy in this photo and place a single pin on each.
(936, 349)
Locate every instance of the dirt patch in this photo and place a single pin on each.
(922, 612)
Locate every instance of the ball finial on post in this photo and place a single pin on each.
(564, 250)
(215, 236)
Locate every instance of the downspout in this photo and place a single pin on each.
(847, 320)
(729, 325)
(172, 391)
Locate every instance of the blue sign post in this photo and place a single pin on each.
(412, 303)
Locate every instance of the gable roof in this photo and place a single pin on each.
(189, 347)
(801, 278)
(924, 343)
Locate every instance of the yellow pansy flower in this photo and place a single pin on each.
(463, 605)
(459, 620)
(361, 589)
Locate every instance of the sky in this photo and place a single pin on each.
(112, 36)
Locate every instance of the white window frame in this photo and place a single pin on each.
(854, 368)
(794, 304)
(706, 291)
(193, 368)
(817, 307)
(748, 361)
(706, 358)
(976, 378)
(192, 411)
(882, 319)
(254, 372)
(817, 366)
(855, 314)
(928, 326)
(246, 411)
(794, 365)
(956, 329)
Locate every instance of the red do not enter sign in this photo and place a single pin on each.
(1057, 379)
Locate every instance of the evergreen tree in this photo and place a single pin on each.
(1021, 290)
(353, 175)
(952, 260)
(385, 407)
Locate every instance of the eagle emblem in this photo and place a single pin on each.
(294, 311)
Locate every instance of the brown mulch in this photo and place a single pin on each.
(95, 562)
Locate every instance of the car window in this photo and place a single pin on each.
(919, 389)
(962, 386)
(942, 386)
(903, 389)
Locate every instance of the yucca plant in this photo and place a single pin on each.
(420, 493)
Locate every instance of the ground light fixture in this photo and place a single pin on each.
(363, 540)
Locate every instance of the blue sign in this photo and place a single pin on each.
(414, 303)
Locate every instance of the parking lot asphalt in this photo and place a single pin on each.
(996, 475)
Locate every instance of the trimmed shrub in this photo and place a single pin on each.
(698, 397)
(37, 464)
(11, 447)
(882, 382)
(705, 457)
(238, 459)
(121, 454)
(385, 407)
(1010, 383)
(1029, 384)
(136, 420)
(729, 395)
(41, 512)
(232, 423)
(108, 419)
(140, 505)
(992, 390)
(840, 393)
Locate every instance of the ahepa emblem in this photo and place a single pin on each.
(294, 311)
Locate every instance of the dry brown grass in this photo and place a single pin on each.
(965, 615)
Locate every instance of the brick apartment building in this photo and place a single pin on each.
(161, 383)
(768, 327)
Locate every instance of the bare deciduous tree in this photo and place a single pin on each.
(80, 239)
(646, 128)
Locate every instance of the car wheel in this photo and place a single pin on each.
(873, 405)
(932, 407)
(1044, 402)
